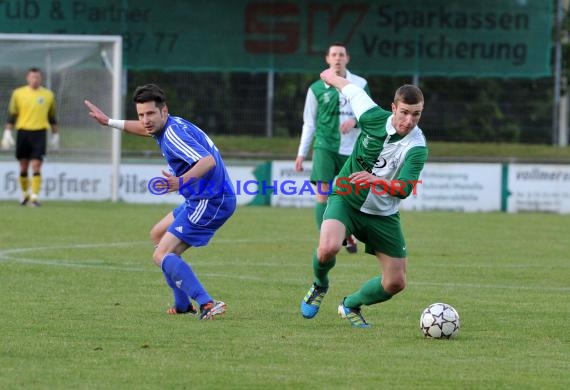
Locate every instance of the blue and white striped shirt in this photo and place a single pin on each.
(183, 144)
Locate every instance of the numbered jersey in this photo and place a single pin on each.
(182, 144)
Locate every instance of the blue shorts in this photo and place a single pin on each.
(196, 221)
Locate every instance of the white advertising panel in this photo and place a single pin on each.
(534, 187)
(67, 181)
(444, 186)
(457, 187)
(61, 181)
(463, 187)
(290, 188)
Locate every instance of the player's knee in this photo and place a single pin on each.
(157, 256)
(327, 250)
(395, 285)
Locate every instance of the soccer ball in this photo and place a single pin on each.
(439, 321)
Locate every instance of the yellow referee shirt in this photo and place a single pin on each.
(34, 109)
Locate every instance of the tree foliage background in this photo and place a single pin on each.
(456, 109)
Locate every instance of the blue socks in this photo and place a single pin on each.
(183, 279)
(181, 300)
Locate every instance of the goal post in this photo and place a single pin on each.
(75, 68)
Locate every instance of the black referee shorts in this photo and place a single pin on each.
(31, 144)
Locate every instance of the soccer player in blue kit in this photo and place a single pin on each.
(199, 174)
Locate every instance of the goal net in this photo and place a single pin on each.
(75, 68)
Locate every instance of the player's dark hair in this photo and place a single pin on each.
(34, 70)
(150, 93)
(408, 94)
(337, 44)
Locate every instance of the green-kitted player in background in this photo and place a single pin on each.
(329, 119)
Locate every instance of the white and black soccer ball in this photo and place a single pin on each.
(439, 321)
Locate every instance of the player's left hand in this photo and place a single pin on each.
(173, 181)
(347, 125)
(55, 141)
(362, 176)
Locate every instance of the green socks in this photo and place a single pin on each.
(370, 293)
(321, 270)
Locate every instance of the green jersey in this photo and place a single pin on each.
(325, 110)
(397, 161)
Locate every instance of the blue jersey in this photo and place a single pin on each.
(183, 144)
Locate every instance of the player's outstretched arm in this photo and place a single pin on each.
(133, 127)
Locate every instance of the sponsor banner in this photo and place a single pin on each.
(438, 37)
(444, 186)
(134, 181)
(60, 181)
(74, 181)
(291, 188)
(533, 187)
(135, 178)
(457, 187)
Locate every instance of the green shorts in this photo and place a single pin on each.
(326, 165)
(380, 233)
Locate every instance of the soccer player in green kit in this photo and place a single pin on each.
(391, 148)
(330, 120)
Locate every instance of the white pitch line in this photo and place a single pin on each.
(452, 285)
(492, 266)
(6, 255)
(495, 286)
(66, 264)
(4, 252)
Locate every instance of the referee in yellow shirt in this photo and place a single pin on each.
(31, 112)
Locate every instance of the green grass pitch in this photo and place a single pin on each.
(83, 306)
